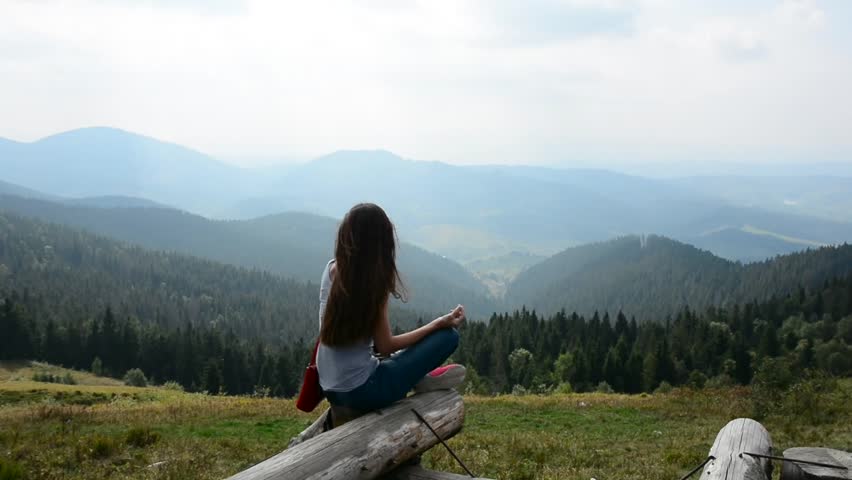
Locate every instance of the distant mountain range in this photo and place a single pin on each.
(828, 197)
(466, 213)
(96, 162)
(654, 276)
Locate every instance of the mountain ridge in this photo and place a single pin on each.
(657, 276)
(488, 210)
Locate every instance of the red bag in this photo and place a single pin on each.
(311, 393)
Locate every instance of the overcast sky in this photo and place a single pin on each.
(547, 82)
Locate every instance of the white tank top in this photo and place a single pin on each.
(342, 369)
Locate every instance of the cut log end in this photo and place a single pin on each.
(729, 462)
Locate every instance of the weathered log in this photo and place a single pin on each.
(418, 473)
(803, 471)
(369, 446)
(332, 417)
(729, 461)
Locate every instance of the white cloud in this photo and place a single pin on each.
(456, 81)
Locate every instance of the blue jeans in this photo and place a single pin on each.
(394, 377)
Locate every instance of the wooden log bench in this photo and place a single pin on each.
(370, 446)
(729, 461)
(828, 456)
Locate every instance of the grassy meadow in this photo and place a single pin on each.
(100, 428)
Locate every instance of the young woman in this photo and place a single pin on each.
(354, 294)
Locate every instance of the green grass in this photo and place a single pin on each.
(24, 370)
(46, 432)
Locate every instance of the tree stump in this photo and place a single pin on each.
(802, 471)
(369, 446)
(729, 463)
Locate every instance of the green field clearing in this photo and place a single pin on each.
(110, 431)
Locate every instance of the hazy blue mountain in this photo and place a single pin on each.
(101, 161)
(738, 243)
(114, 201)
(468, 213)
(292, 244)
(655, 276)
(483, 208)
(795, 228)
(829, 197)
(107, 201)
(649, 197)
(462, 212)
(7, 188)
(716, 167)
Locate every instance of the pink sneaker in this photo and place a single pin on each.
(442, 378)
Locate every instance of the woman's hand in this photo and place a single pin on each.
(454, 318)
(386, 343)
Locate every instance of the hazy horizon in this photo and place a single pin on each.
(651, 168)
(595, 83)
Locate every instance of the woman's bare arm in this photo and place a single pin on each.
(386, 343)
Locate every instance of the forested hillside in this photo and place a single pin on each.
(71, 298)
(291, 244)
(655, 276)
(811, 328)
(70, 277)
(199, 358)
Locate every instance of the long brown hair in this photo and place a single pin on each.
(365, 258)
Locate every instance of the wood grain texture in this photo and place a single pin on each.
(800, 471)
(420, 473)
(738, 436)
(369, 446)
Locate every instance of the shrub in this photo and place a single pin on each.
(51, 378)
(665, 387)
(604, 387)
(173, 385)
(564, 388)
(135, 378)
(519, 390)
(474, 384)
(98, 366)
(541, 388)
(720, 381)
(260, 391)
(811, 399)
(772, 378)
(101, 446)
(696, 380)
(141, 437)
